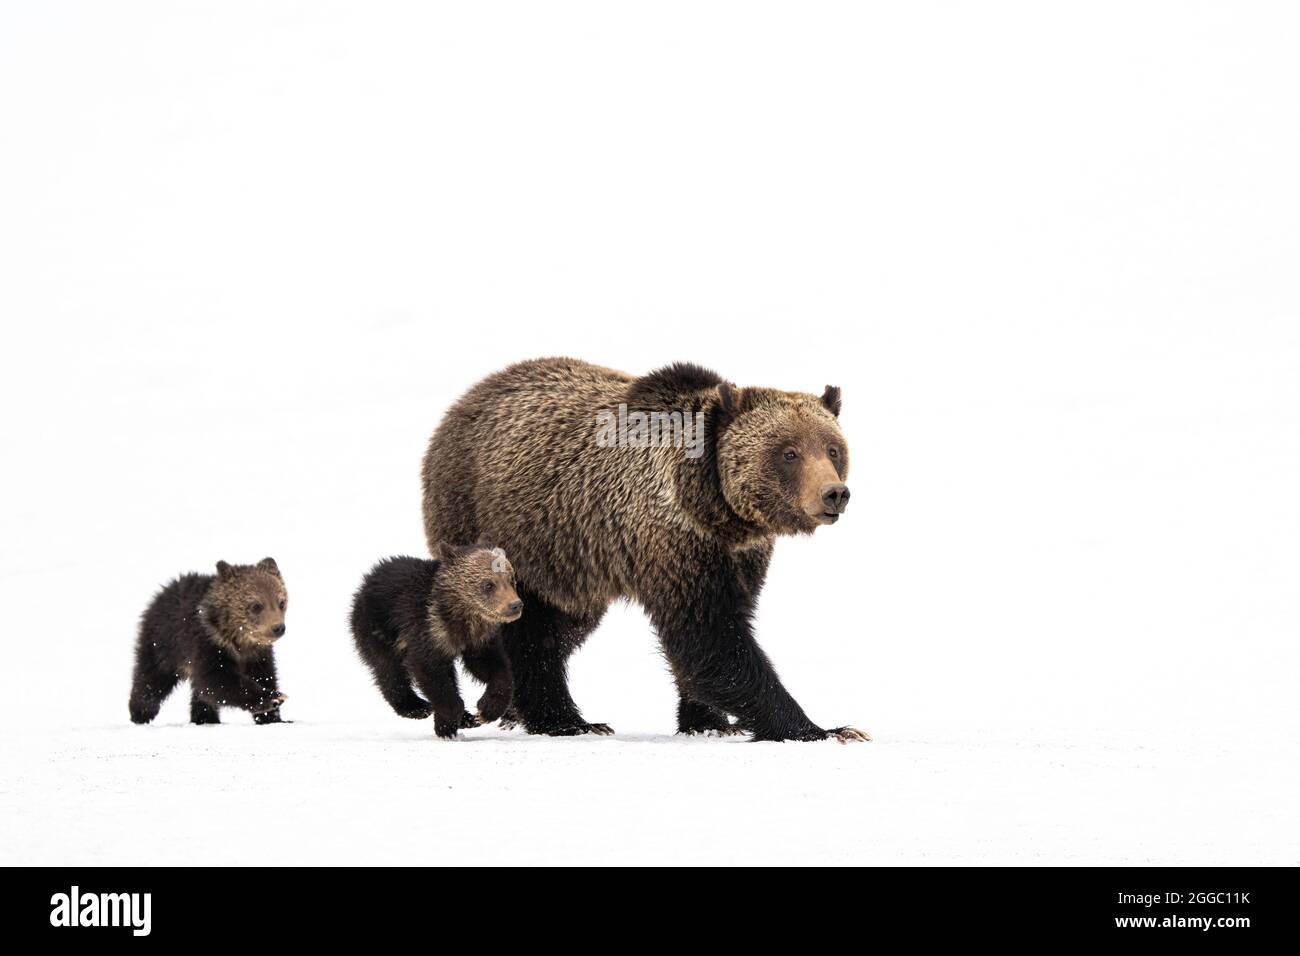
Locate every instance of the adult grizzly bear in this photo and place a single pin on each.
(687, 533)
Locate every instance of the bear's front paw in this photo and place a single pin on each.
(572, 729)
(491, 706)
(270, 704)
(600, 730)
(845, 734)
(415, 711)
(842, 734)
(471, 720)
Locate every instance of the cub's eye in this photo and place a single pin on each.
(489, 587)
(791, 454)
(283, 604)
(255, 608)
(833, 452)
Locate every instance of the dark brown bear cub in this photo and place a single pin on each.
(411, 619)
(217, 632)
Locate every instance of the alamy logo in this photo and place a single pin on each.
(624, 429)
(102, 909)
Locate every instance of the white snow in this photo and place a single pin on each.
(251, 255)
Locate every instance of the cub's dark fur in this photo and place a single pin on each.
(217, 632)
(411, 619)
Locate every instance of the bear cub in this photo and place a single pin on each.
(411, 619)
(217, 632)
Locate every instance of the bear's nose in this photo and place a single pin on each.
(278, 630)
(515, 607)
(836, 498)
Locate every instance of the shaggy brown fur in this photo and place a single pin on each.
(412, 618)
(217, 633)
(688, 538)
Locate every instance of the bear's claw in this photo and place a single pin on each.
(574, 730)
(845, 734)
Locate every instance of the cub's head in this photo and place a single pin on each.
(246, 603)
(782, 458)
(480, 580)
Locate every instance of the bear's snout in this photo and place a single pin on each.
(836, 498)
(278, 630)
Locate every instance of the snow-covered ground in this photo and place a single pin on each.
(369, 792)
(252, 253)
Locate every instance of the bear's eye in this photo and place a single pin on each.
(488, 587)
(833, 452)
(283, 604)
(255, 608)
(791, 454)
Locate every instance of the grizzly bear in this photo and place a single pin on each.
(218, 633)
(411, 619)
(686, 532)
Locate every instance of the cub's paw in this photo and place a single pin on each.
(415, 711)
(270, 705)
(471, 720)
(447, 731)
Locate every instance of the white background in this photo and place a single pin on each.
(252, 251)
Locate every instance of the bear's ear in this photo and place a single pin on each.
(224, 571)
(730, 398)
(446, 552)
(268, 564)
(485, 540)
(831, 399)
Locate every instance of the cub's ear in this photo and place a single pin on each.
(730, 397)
(268, 564)
(224, 571)
(831, 399)
(446, 552)
(485, 540)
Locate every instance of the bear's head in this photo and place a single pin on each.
(479, 580)
(245, 605)
(782, 459)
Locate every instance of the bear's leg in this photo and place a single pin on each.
(201, 712)
(224, 683)
(263, 691)
(378, 643)
(694, 717)
(150, 685)
(489, 665)
(394, 682)
(436, 676)
(706, 633)
(538, 646)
